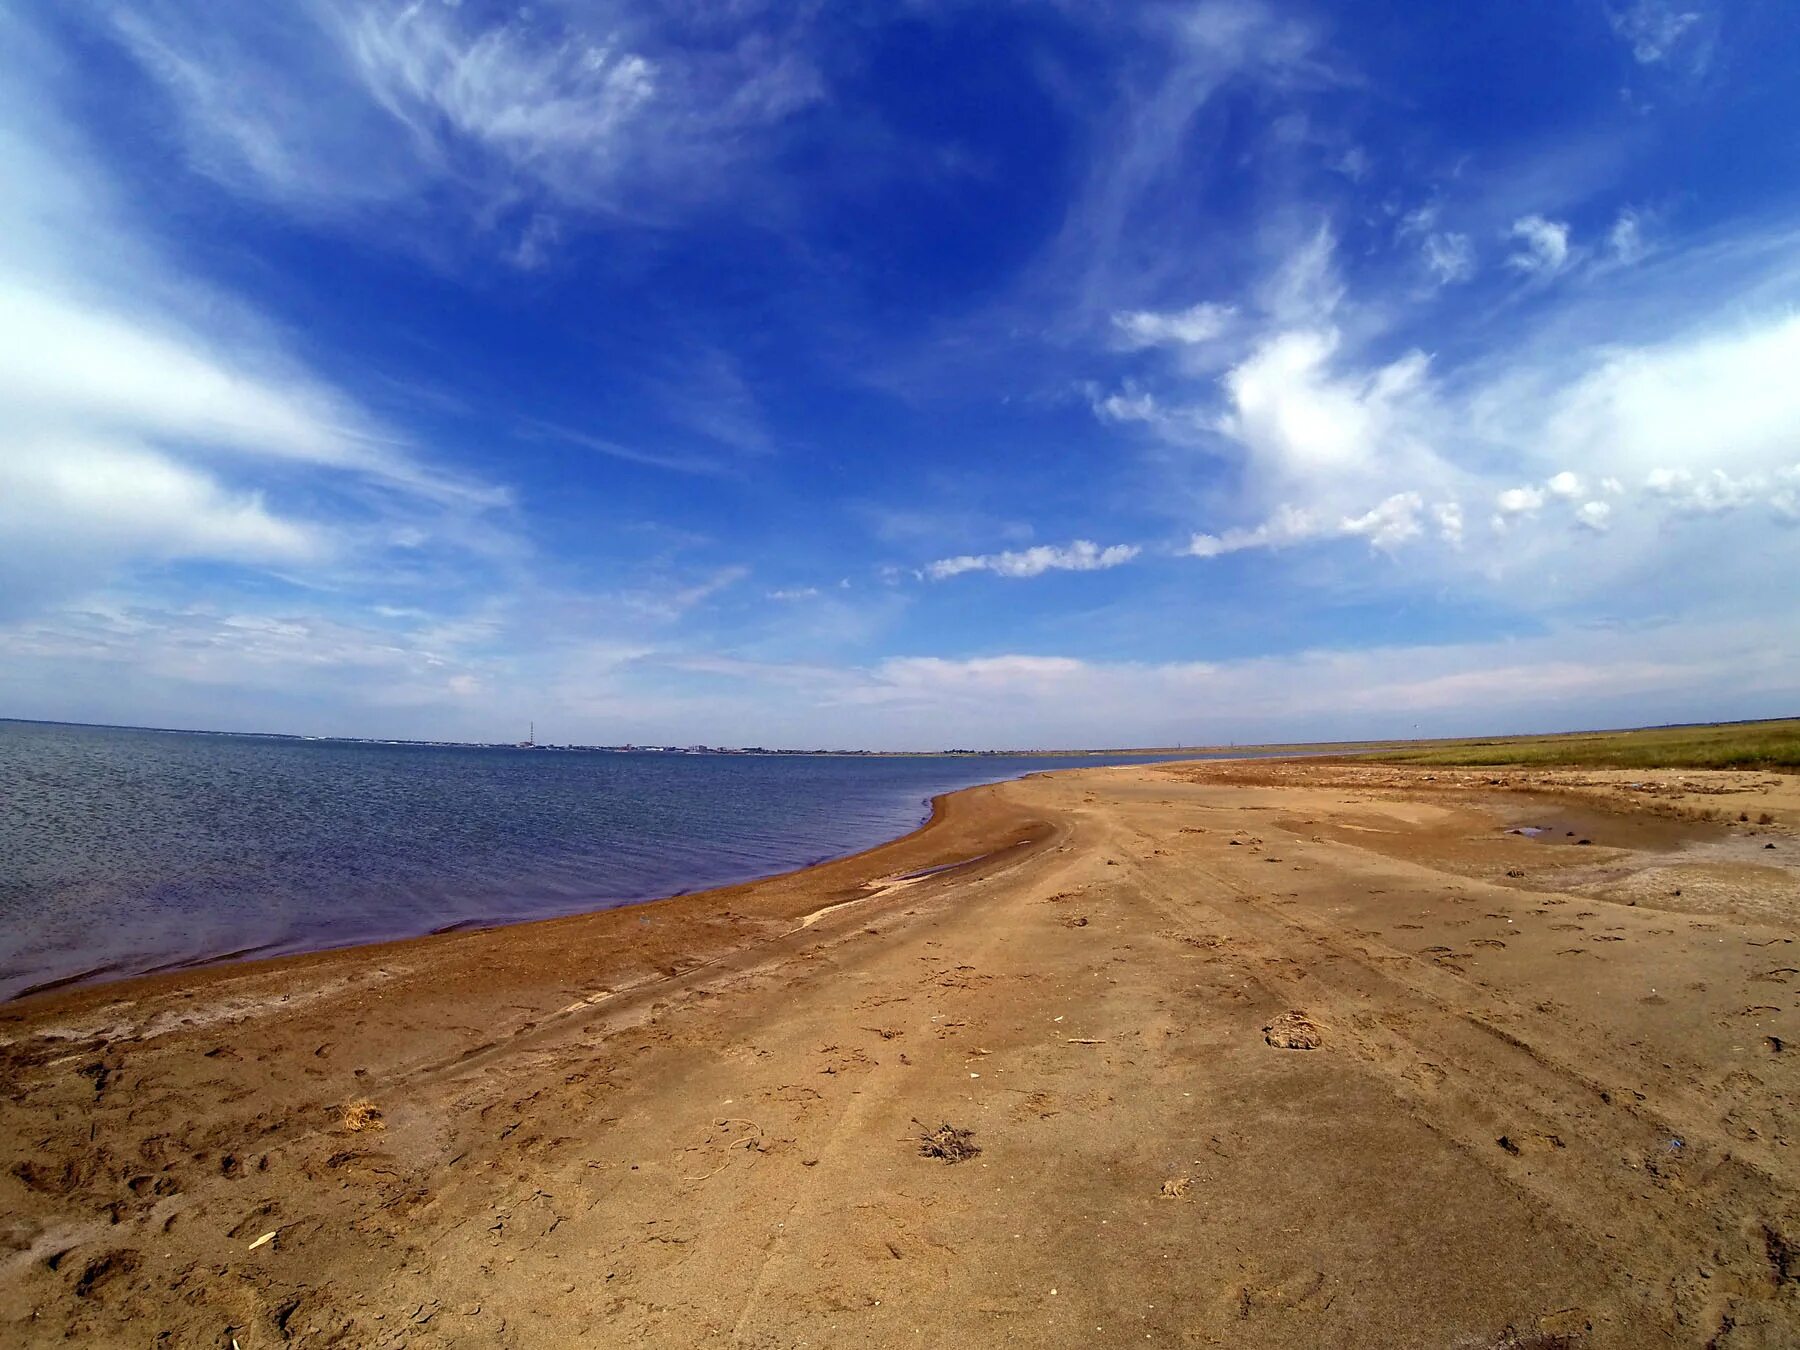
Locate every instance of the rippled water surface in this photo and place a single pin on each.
(127, 851)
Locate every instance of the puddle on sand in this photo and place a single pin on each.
(1572, 825)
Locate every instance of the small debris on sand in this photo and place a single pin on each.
(1174, 1188)
(1294, 1031)
(362, 1114)
(946, 1142)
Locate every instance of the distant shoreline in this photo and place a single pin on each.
(1574, 747)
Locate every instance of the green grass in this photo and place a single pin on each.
(1724, 745)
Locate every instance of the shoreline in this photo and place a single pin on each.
(115, 927)
(707, 1118)
(947, 827)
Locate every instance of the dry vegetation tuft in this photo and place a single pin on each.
(946, 1142)
(362, 1114)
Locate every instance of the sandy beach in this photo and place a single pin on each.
(1247, 1054)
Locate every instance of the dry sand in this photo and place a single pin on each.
(1291, 1054)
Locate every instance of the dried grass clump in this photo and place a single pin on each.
(1294, 1031)
(1175, 1187)
(946, 1142)
(362, 1114)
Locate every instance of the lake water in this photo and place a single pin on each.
(124, 851)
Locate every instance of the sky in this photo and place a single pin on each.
(899, 376)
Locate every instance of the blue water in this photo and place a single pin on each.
(123, 852)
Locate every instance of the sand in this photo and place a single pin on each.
(1278, 1054)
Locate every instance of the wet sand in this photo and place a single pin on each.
(1549, 1099)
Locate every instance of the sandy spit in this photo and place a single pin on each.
(1240, 1054)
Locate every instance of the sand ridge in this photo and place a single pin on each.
(1247, 1055)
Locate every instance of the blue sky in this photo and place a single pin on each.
(897, 376)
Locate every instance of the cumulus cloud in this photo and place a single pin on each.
(1546, 245)
(1605, 440)
(1564, 484)
(1299, 418)
(1450, 522)
(1083, 555)
(1396, 520)
(1594, 515)
(1390, 524)
(1717, 492)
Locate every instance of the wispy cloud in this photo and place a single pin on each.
(333, 109)
(1200, 323)
(1546, 246)
(1083, 555)
(153, 419)
(1655, 30)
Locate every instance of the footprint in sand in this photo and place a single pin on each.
(1488, 942)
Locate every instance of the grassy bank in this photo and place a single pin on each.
(1723, 745)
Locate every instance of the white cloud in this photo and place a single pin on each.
(1449, 258)
(1298, 419)
(331, 108)
(1201, 323)
(61, 501)
(1392, 523)
(1450, 522)
(1289, 525)
(1568, 677)
(1594, 515)
(1396, 520)
(150, 418)
(1560, 432)
(1717, 492)
(1518, 501)
(1546, 242)
(1626, 240)
(1305, 290)
(1355, 164)
(61, 360)
(795, 593)
(1652, 28)
(1723, 399)
(1082, 555)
